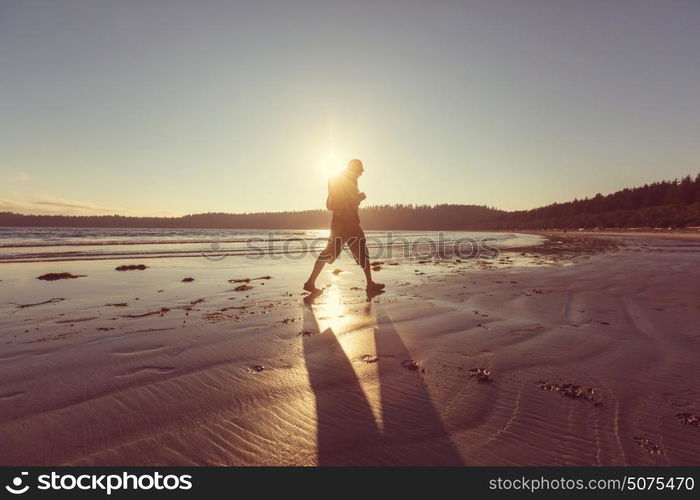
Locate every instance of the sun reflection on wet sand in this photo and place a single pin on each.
(337, 313)
(330, 310)
(365, 399)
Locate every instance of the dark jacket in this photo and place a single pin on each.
(344, 197)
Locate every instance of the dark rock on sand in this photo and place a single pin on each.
(688, 419)
(248, 280)
(409, 364)
(187, 280)
(161, 312)
(482, 375)
(218, 317)
(648, 446)
(131, 267)
(369, 358)
(59, 276)
(573, 391)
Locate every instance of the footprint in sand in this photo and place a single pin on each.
(147, 369)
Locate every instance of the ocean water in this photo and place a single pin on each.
(38, 244)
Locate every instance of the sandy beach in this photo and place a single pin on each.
(582, 351)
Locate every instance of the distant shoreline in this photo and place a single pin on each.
(613, 231)
(692, 234)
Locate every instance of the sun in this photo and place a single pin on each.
(329, 165)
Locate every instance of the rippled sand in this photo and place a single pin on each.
(585, 359)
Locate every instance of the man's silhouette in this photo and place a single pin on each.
(344, 199)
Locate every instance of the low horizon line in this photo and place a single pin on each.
(428, 205)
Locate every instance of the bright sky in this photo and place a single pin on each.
(147, 107)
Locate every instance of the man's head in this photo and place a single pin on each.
(355, 168)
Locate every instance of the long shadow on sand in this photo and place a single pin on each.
(412, 432)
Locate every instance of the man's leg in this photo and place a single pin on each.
(310, 284)
(328, 255)
(358, 247)
(368, 272)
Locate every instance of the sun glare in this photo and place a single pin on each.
(329, 165)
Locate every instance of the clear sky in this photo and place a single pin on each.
(147, 107)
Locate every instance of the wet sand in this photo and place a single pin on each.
(580, 352)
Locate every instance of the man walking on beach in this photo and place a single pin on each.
(344, 199)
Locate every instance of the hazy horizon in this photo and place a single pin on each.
(320, 209)
(167, 108)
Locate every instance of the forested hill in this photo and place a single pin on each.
(661, 204)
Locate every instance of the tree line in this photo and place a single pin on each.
(673, 203)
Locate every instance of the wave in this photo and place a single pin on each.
(19, 247)
(140, 242)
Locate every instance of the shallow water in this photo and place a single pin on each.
(66, 244)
